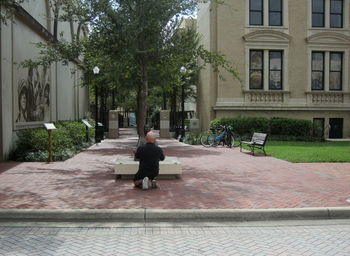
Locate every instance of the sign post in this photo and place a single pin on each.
(87, 126)
(49, 127)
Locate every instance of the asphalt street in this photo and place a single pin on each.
(307, 237)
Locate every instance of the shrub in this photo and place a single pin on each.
(298, 129)
(243, 125)
(68, 139)
(30, 141)
(291, 127)
(76, 132)
(192, 138)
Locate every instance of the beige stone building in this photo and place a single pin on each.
(292, 57)
(30, 97)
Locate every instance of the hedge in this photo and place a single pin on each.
(68, 139)
(273, 126)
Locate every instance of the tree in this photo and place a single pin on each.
(7, 8)
(138, 45)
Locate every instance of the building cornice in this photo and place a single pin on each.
(267, 36)
(281, 107)
(328, 38)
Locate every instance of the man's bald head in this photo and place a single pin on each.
(151, 137)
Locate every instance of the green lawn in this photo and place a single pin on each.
(302, 152)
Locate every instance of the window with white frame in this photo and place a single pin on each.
(336, 14)
(272, 9)
(275, 13)
(257, 69)
(275, 69)
(317, 70)
(327, 13)
(334, 70)
(318, 13)
(256, 12)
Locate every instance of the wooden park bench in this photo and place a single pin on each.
(257, 142)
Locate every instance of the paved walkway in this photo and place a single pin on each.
(326, 238)
(212, 178)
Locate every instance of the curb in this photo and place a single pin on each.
(72, 214)
(175, 214)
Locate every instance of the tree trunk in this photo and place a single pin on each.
(164, 101)
(142, 102)
(55, 22)
(173, 109)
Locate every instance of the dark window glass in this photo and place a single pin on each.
(335, 71)
(317, 20)
(275, 13)
(256, 5)
(317, 5)
(318, 13)
(256, 13)
(317, 61)
(336, 16)
(337, 6)
(275, 5)
(256, 69)
(275, 70)
(275, 19)
(317, 71)
(255, 18)
(336, 21)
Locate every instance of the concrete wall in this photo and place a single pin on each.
(52, 93)
(230, 32)
(6, 89)
(207, 87)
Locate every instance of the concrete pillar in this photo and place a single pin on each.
(113, 124)
(125, 122)
(164, 124)
(194, 125)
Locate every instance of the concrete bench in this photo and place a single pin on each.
(126, 167)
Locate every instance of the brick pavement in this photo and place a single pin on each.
(259, 239)
(212, 178)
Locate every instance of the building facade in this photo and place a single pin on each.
(292, 57)
(31, 96)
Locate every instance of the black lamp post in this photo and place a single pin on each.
(96, 70)
(183, 71)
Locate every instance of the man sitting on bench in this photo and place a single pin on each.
(149, 156)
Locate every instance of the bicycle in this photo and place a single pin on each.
(224, 135)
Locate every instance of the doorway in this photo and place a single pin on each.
(336, 128)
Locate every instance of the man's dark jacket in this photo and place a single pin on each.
(149, 156)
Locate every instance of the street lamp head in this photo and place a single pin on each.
(96, 70)
(183, 69)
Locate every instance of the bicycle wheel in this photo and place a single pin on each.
(205, 139)
(236, 140)
(212, 140)
(232, 140)
(229, 141)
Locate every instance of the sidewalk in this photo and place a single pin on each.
(214, 178)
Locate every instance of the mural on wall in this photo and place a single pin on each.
(33, 97)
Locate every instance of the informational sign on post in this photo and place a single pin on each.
(49, 127)
(87, 124)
